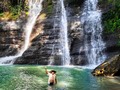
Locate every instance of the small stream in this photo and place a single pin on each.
(69, 78)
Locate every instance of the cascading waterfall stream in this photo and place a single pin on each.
(35, 7)
(93, 43)
(64, 35)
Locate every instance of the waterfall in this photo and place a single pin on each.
(51, 59)
(93, 43)
(35, 7)
(64, 35)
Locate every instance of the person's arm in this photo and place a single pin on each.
(46, 70)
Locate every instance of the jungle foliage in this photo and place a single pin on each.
(11, 9)
(111, 16)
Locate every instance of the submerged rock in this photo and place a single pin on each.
(111, 67)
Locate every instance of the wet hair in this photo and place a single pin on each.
(52, 71)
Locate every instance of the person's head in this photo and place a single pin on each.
(53, 72)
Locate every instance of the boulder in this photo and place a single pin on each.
(111, 67)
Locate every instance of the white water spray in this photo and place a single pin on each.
(64, 35)
(35, 7)
(93, 43)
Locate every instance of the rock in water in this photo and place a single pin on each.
(111, 67)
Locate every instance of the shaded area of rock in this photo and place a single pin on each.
(112, 47)
(111, 67)
(11, 37)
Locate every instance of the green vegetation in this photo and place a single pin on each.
(11, 9)
(111, 17)
(49, 7)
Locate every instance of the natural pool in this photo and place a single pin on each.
(69, 78)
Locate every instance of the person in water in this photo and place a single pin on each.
(52, 80)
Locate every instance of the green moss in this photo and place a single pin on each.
(1, 14)
(48, 7)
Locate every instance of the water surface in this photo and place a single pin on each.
(69, 78)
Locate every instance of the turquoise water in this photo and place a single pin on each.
(69, 78)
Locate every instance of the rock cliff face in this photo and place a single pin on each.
(110, 67)
(11, 37)
(110, 36)
(45, 36)
(41, 49)
(42, 41)
(74, 8)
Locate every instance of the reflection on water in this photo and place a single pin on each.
(34, 78)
